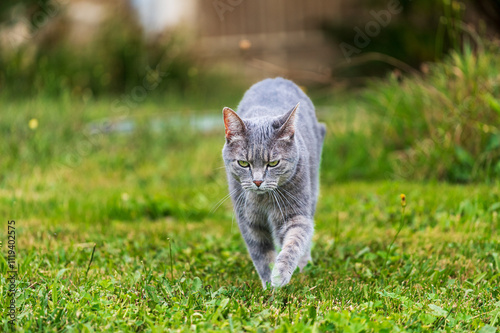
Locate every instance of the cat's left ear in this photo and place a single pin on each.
(287, 130)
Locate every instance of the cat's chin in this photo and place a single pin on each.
(259, 191)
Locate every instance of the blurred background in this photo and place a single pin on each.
(111, 135)
(93, 48)
(124, 98)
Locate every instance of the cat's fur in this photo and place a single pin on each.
(280, 211)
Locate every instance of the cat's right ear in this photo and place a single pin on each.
(235, 127)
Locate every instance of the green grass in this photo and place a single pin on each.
(122, 231)
(164, 260)
(443, 124)
(189, 274)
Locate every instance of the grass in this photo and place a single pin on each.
(173, 273)
(443, 124)
(120, 231)
(122, 236)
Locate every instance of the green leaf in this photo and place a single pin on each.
(494, 207)
(463, 156)
(3, 263)
(479, 278)
(55, 294)
(196, 284)
(152, 294)
(312, 313)
(497, 168)
(487, 329)
(494, 104)
(105, 283)
(223, 304)
(363, 251)
(61, 272)
(437, 310)
(497, 261)
(494, 143)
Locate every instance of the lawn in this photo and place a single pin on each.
(120, 229)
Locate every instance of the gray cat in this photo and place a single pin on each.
(272, 162)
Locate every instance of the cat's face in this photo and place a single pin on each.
(260, 153)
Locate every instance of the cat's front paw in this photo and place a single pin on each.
(280, 275)
(304, 260)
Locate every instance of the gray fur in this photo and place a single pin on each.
(280, 212)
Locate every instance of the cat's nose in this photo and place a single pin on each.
(258, 182)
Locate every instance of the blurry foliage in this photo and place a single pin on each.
(353, 156)
(440, 125)
(423, 31)
(491, 10)
(444, 124)
(116, 61)
(410, 35)
(28, 6)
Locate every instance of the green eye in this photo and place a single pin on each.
(273, 163)
(244, 164)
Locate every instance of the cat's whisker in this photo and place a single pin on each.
(244, 203)
(291, 205)
(294, 198)
(274, 227)
(298, 208)
(235, 206)
(284, 224)
(279, 206)
(221, 201)
(270, 195)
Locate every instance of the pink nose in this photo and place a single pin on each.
(258, 182)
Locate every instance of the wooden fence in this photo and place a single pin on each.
(284, 36)
(244, 17)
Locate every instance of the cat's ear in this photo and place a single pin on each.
(287, 130)
(235, 128)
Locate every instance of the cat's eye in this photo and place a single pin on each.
(244, 164)
(273, 163)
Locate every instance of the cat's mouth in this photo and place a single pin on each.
(263, 188)
(260, 190)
